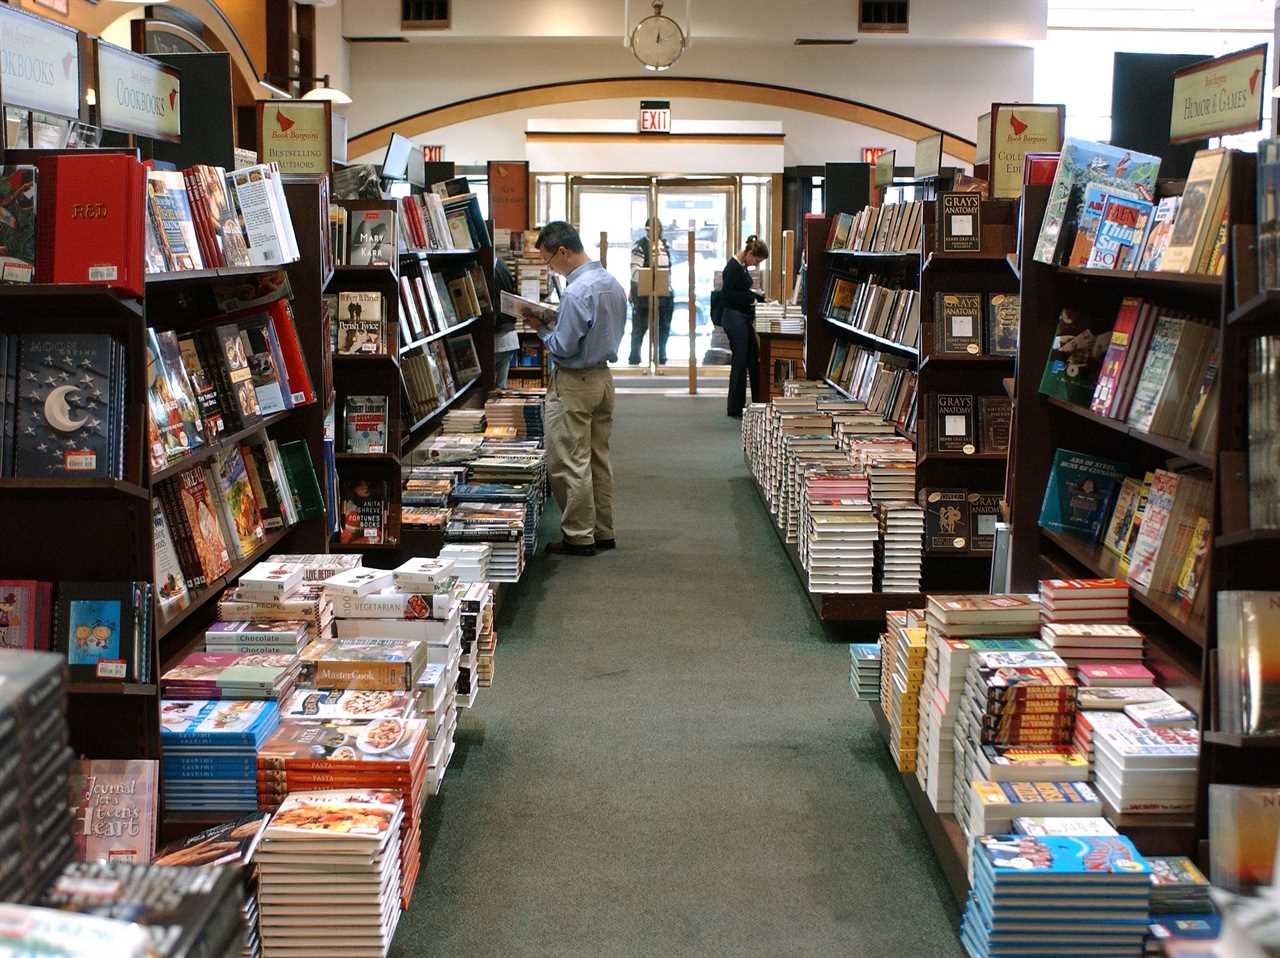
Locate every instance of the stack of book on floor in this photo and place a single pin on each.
(36, 818)
(285, 589)
(507, 493)
(499, 526)
(1180, 903)
(210, 752)
(330, 874)
(840, 534)
(437, 697)
(231, 843)
(463, 421)
(899, 553)
(864, 670)
(1056, 895)
(184, 910)
(902, 650)
(470, 560)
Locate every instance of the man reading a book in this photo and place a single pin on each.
(582, 341)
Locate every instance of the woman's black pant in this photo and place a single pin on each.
(742, 340)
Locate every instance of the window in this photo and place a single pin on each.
(424, 14)
(882, 16)
(552, 198)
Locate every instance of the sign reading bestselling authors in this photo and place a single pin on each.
(137, 94)
(40, 63)
(295, 134)
(1218, 97)
(1016, 130)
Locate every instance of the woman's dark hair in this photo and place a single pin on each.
(559, 233)
(756, 247)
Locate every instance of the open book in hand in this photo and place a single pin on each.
(529, 311)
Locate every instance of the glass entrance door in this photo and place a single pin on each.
(697, 221)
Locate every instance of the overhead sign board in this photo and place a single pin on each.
(1219, 96)
(39, 64)
(137, 94)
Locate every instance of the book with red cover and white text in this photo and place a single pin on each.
(1115, 675)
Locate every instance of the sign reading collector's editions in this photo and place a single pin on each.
(1017, 129)
(137, 94)
(1219, 96)
(39, 64)
(295, 134)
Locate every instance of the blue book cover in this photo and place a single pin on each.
(189, 767)
(1118, 239)
(1080, 492)
(1095, 201)
(1060, 859)
(222, 722)
(1081, 164)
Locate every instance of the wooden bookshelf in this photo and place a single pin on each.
(1180, 649)
(778, 346)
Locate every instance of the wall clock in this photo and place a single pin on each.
(657, 40)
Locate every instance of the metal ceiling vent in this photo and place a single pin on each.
(883, 16)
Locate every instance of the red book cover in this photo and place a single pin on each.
(295, 364)
(1108, 385)
(200, 218)
(98, 221)
(1039, 169)
(1116, 674)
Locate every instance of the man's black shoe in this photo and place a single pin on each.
(569, 549)
(606, 544)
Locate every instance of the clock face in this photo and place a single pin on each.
(657, 42)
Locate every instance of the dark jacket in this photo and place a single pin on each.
(736, 291)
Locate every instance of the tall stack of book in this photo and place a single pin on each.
(522, 472)
(33, 706)
(437, 702)
(334, 853)
(779, 318)
(486, 643)
(463, 421)
(233, 675)
(899, 553)
(231, 843)
(840, 534)
(477, 629)
(864, 670)
(957, 628)
(184, 910)
(513, 415)
(901, 672)
(1180, 903)
(1101, 882)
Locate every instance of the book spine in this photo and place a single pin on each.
(180, 532)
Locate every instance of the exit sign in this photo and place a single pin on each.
(872, 153)
(433, 154)
(655, 116)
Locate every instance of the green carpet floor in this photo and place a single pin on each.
(670, 760)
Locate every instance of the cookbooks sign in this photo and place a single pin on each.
(295, 134)
(39, 64)
(1016, 130)
(137, 94)
(1219, 96)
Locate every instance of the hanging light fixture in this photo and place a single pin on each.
(322, 92)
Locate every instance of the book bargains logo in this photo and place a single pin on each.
(287, 129)
(1020, 132)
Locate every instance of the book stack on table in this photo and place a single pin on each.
(839, 534)
(210, 752)
(500, 526)
(524, 470)
(231, 843)
(502, 493)
(463, 421)
(1180, 903)
(900, 552)
(184, 910)
(949, 621)
(477, 607)
(36, 820)
(284, 589)
(330, 874)
(48, 931)
(864, 670)
(233, 675)
(1086, 621)
(1147, 769)
(902, 649)
(1056, 895)
(486, 643)
(516, 414)
(470, 560)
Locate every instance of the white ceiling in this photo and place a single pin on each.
(753, 22)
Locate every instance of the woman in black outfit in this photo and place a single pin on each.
(739, 321)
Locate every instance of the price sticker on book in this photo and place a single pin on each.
(969, 449)
(111, 669)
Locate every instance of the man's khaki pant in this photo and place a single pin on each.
(579, 420)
